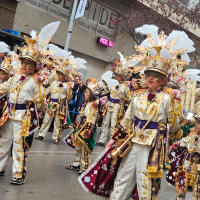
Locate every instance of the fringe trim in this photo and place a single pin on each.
(88, 170)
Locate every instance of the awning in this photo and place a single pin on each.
(10, 39)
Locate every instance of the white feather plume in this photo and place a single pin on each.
(145, 44)
(112, 83)
(47, 32)
(149, 29)
(81, 67)
(193, 74)
(4, 48)
(80, 61)
(185, 57)
(58, 52)
(182, 42)
(134, 61)
(33, 34)
(107, 75)
(122, 60)
(166, 53)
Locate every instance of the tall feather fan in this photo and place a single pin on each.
(58, 52)
(47, 33)
(192, 74)
(122, 60)
(4, 48)
(185, 57)
(107, 75)
(33, 34)
(166, 53)
(183, 41)
(145, 44)
(80, 63)
(149, 29)
(135, 60)
(112, 83)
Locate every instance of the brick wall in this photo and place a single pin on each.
(7, 13)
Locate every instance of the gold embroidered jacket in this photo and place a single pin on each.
(161, 110)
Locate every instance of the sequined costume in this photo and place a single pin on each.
(188, 171)
(148, 144)
(141, 137)
(25, 97)
(60, 96)
(85, 135)
(111, 113)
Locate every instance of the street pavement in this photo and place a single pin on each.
(48, 179)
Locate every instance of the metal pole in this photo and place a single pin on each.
(71, 25)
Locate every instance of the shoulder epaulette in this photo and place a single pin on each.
(139, 91)
(169, 91)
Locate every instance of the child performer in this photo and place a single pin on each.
(6, 71)
(85, 132)
(20, 118)
(114, 108)
(85, 126)
(25, 94)
(144, 128)
(60, 96)
(188, 173)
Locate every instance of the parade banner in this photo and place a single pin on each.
(81, 9)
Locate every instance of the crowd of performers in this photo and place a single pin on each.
(140, 100)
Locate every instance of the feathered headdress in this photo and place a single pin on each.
(161, 53)
(37, 44)
(102, 86)
(120, 65)
(6, 66)
(76, 64)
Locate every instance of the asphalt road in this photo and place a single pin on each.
(48, 179)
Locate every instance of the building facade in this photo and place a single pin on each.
(98, 21)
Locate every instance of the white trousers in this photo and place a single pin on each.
(110, 117)
(81, 157)
(132, 171)
(47, 123)
(10, 134)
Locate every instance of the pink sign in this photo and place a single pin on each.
(105, 42)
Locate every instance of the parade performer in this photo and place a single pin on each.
(25, 93)
(114, 108)
(6, 71)
(188, 172)
(84, 134)
(141, 135)
(57, 108)
(48, 72)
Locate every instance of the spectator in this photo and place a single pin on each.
(88, 81)
(80, 76)
(78, 90)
